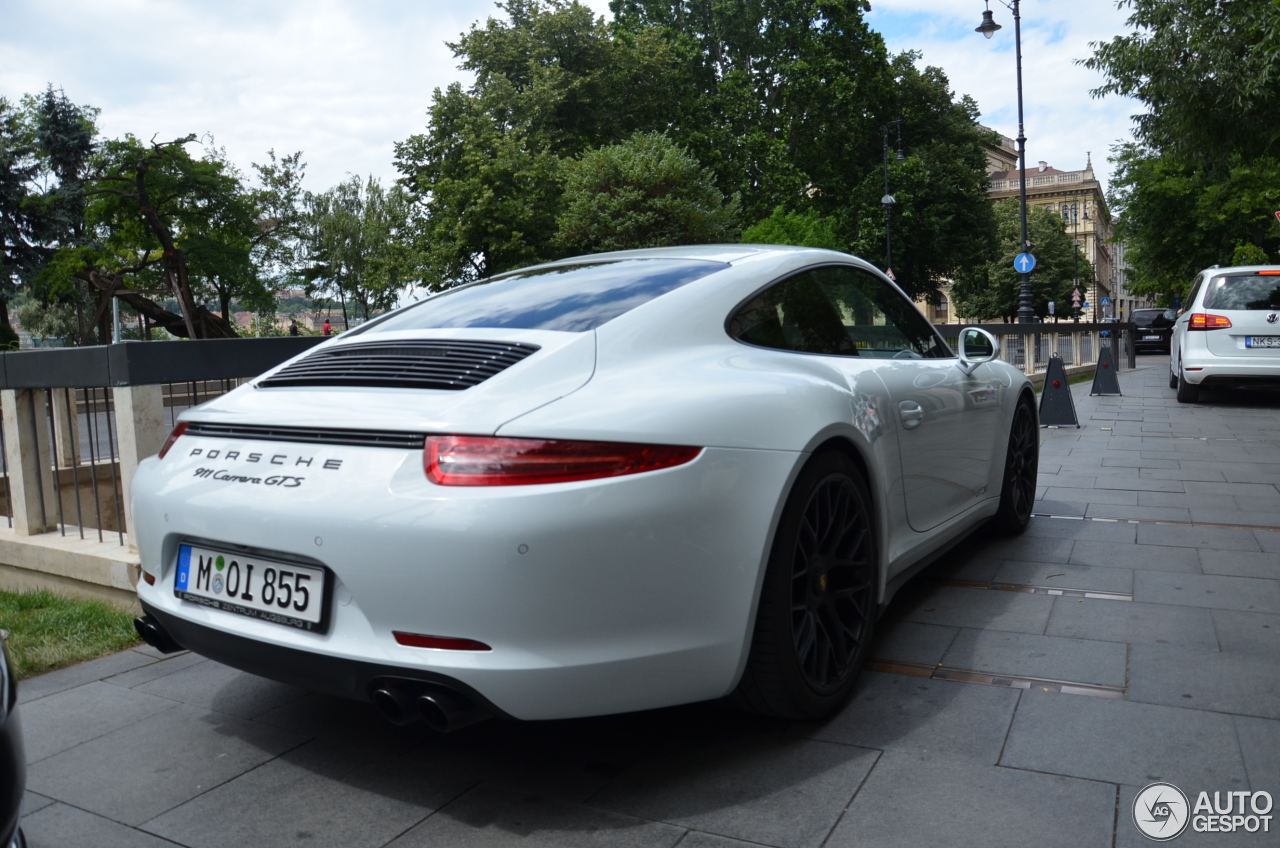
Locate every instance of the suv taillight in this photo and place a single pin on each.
(494, 461)
(1205, 321)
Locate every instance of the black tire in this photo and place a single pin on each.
(818, 603)
(1021, 465)
(1173, 378)
(1187, 392)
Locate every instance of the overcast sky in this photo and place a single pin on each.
(342, 80)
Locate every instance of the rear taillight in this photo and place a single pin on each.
(493, 461)
(1204, 321)
(173, 437)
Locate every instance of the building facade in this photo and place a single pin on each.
(1077, 196)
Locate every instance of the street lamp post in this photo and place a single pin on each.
(988, 27)
(888, 200)
(1076, 256)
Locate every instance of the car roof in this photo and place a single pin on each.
(727, 253)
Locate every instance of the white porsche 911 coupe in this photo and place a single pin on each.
(604, 484)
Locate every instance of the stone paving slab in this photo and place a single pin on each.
(894, 712)
(902, 803)
(1237, 683)
(1133, 623)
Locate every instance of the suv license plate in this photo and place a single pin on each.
(1151, 338)
(1262, 341)
(285, 593)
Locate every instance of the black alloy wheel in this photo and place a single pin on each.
(819, 600)
(831, 584)
(1021, 465)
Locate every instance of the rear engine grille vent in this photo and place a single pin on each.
(309, 435)
(443, 364)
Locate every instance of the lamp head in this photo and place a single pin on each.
(988, 26)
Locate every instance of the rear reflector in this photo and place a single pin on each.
(493, 461)
(443, 643)
(1203, 321)
(173, 437)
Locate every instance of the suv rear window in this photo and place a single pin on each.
(1159, 317)
(1247, 292)
(570, 298)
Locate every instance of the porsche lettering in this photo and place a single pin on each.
(255, 457)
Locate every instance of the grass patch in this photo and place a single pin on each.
(48, 631)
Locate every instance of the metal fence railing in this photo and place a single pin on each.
(64, 461)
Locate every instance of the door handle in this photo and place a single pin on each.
(911, 414)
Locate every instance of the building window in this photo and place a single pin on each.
(940, 311)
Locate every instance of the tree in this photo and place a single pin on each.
(1201, 180)
(1179, 219)
(550, 83)
(147, 205)
(645, 192)
(990, 290)
(356, 235)
(803, 229)
(1208, 72)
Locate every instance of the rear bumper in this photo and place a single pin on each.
(345, 678)
(1230, 370)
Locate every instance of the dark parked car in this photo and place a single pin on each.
(1154, 328)
(13, 762)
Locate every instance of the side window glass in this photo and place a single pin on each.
(877, 319)
(793, 314)
(838, 311)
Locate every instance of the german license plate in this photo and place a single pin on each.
(285, 593)
(1151, 338)
(1262, 341)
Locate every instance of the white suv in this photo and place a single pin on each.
(1228, 331)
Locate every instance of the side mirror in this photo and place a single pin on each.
(976, 347)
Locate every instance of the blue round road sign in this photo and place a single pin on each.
(1024, 263)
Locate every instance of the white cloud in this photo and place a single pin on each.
(341, 81)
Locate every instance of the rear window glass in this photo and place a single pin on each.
(570, 298)
(1247, 292)
(1160, 317)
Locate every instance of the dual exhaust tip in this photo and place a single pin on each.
(400, 701)
(443, 709)
(155, 635)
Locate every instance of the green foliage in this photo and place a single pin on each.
(1179, 219)
(783, 102)
(644, 192)
(358, 243)
(551, 82)
(1203, 178)
(48, 631)
(989, 291)
(1247, 253)
(1208, 72)
(804, 229)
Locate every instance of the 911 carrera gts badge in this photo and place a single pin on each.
(284, 481)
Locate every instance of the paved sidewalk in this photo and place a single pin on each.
(1026, 690)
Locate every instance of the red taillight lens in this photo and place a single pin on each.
(442, 643)
(173, 437)
(492, 461)
(1203, 321)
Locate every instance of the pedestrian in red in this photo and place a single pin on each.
(327, 328)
